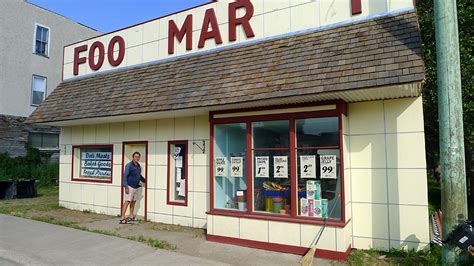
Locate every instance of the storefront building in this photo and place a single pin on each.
(255, 121)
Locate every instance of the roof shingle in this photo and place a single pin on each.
(377, 52)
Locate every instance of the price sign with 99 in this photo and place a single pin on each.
(236, 165)
(328, 166)
(220, 166)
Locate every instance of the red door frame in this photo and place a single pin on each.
(146, 173)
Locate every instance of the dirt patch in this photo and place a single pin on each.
(174, 228)
(70, 215)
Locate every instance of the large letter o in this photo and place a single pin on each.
(121, 53)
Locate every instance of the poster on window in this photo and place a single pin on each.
(328, 166)
(280, 166)
(308, 166)
(261, 166)
(220, 166)
(96, 164)
(236, 165)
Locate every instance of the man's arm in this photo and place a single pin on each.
(125, 175)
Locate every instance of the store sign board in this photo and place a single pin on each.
(96, 164)
(213, 25)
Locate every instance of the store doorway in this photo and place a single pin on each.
(128, 149)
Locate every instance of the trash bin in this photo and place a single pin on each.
(7, 190)
(26, 189)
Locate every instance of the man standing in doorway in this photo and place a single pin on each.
(131, 183)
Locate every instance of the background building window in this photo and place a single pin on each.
(43, 140)
(41, 45)
(38, 86)
(178, 173)
(230, 186)
(92, 163)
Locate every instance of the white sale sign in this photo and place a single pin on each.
(261, 166)
(308, 166)
(236, 165)
(220, 166)
(280, 166)
(328, 166)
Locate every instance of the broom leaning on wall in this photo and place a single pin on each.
(307, 259)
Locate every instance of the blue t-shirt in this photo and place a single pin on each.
(132, 174)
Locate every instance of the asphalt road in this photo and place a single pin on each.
(27, 242)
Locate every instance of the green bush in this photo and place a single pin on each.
(34, 165)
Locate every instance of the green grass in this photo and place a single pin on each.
(395, 257)
(154, 242)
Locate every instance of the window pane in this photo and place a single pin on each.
(38, 97)
(38, 47)
(39, 84)
(272, 181)
(230, 179)
(94, 163)
(271, 134)
(317, 132)
(34, 140)
(50, 141)
(319, 182)
(45, 35)
(177, 172)
(39, 33)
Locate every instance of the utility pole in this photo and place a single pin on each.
(451, 136)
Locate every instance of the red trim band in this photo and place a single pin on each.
(320, 253)
(279, 218)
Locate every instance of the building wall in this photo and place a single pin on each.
(18, 62)
(105, 198)
(148, 42)
(387, 168)
(385, 186)
(384, 166)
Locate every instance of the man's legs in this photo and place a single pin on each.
(132, 209)
(125, 206)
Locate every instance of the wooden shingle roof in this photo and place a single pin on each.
(372, 53)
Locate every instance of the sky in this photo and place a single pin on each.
(110, 15)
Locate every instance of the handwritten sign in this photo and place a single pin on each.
(96, 164)
(308, 166)
(220, 166)
(261, 166)
(280, 166)
(236, 165)
(328, 166)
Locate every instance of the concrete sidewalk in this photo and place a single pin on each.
(27, 242)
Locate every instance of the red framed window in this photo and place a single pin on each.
(177, 185)
(279, 166)
(92, 163)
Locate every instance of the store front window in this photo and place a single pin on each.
(293, 169)
(318, 166)
(271, 153)
(230, 186)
